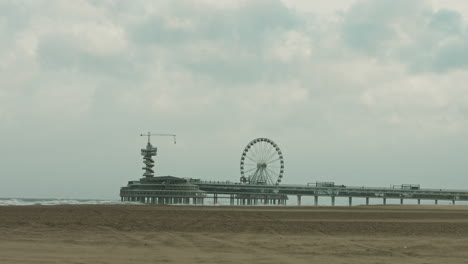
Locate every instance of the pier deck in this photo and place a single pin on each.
(228, 188)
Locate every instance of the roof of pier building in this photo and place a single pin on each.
(163, 180)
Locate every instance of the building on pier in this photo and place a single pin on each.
(162, 189)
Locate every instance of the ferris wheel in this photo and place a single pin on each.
(262, 162)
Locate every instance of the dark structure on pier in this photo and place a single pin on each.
(163, 189)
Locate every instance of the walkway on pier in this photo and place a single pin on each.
(252, 192)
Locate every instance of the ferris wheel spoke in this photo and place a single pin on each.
(257, 149)
(271, 156)
(261, 146)
(265, 151)
(270, 178)
(267, 176)
(268, 153)
(259, 176)
(276, 174)
(249, 170)
(273, 160)
(250, 153)
(260, 158)
(255, 176)
(255, 154)
(250, 159)
(274, 177)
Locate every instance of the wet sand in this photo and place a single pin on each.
(196, 234)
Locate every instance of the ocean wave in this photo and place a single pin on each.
(32, 201)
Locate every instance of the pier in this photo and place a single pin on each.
(173, 190)
(262, 168)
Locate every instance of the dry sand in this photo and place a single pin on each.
(184, 234)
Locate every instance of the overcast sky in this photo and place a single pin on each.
(367, 93)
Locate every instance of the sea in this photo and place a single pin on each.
(306, 201)
(55, 201)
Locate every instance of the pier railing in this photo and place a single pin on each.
(226, 187)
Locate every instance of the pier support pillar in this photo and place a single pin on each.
(215, 198)
(384, 201)
(401, 201)
(419, 201)
(367, 200)
(316, 200)
(453, 202)
(350, 201)
(333, 200)
(298, 200)
(436, 202)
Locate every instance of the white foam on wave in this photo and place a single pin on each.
(30, 201)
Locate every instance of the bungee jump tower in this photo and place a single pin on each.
(161, 189)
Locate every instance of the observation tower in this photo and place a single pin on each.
(160, 189)
(147, 154)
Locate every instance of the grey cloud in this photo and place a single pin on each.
(244, 25)
(367, 36)
(452, 56)
(63, 52)
(447, 21)
(368, 25)
(375, 28)
(15, 16)
(227, 44)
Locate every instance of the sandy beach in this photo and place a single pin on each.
(196, 234)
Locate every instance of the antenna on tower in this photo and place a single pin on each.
(149, 134)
